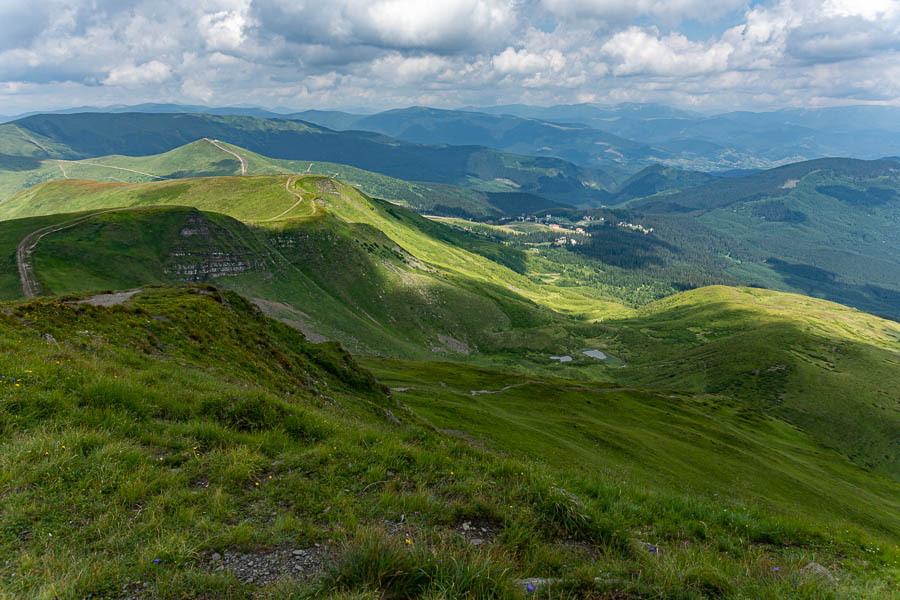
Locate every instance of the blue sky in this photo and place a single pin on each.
(386, 53)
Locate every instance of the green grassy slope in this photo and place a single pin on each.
(142, 438)
(377, 277)
(264, 199)
(92, 135)
(204, 159)
(163, 244)
(662, 439)
(831, 370)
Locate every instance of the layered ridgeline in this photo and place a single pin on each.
(737, 139)
(207, 157)
(821, 228)
(323, 257)
(629, 133)
(576, 143)
(825, 228)
(79, 136)
(380, 275)
(175, 443)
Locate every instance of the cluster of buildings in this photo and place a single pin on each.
(635, 227)
(562, 241)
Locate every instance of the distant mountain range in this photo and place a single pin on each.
(630, 135)
(576, 143)
(730, 138)
(83, 135)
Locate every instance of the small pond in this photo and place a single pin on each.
(562, 359)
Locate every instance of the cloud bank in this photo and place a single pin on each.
(385, 53)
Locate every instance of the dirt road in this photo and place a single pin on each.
(93, 164)
(287, 187)
(30, 285)
(219, 145)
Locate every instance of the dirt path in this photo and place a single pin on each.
(25, 249)
(500, 391)
(219, 145)
(109, 299)
(92, 164)
(300, 199)
(61, 168)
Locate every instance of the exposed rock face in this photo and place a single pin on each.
(207, 251)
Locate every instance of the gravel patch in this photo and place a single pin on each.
(479, 530)
(136, 590)
(109, 299)
(267, 566)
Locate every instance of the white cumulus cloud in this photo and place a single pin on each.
(383, 53)
(524, 62)
(133, 75)
(637, 51)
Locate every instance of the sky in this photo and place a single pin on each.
(378, 54)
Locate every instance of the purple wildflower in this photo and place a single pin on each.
(529, 588)
(652, 548)
(156, 561)
(777, 569)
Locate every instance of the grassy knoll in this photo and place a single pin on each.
(203, 159)
(163, 244)
(140, 439)
(245, 198)
(830, 369)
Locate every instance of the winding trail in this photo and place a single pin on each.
(300, 199)
(24, 250)
(500, 391)
(219, 145)
(92, 164)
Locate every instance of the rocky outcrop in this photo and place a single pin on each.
(208, 250)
